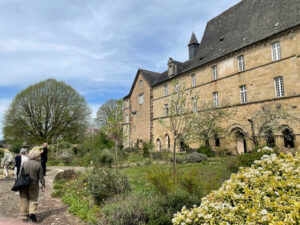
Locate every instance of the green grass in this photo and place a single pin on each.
(75, 195)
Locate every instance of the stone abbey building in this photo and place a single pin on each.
(249, 56)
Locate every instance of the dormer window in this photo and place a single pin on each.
(172, 67)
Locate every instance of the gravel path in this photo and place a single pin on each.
(51, 211)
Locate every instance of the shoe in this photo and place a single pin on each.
(32, 217)
(24, 220)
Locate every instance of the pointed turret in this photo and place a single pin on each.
(193, 46)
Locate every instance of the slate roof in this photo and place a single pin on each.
(246, 23)
(193, 40)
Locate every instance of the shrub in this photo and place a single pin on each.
(247, 159)
(157, 155)
(179, 159)
(127, 210)
(15, 147)
(207, 151)
(104, 183)
(148, 162)
(64, 145)
(266, 193)
(131, 149)
(195, 157)
(147, 147)
(161, 178)
(67, 174)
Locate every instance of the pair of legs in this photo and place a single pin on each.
(29, 200)
(5, 170)
(43, 162)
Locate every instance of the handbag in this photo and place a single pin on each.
(21, 182)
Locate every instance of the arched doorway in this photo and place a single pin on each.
(241, 143)
(158, 144)
(168, 144)
(270, 139)
(288, 138)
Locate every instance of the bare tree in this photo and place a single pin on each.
(45, 111)
(177, 123)
(206, 122)
(110, 118)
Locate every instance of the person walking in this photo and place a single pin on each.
(6, 163)
(29, 195)
(19, 160)
(44, 157)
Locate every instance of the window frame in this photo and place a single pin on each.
(166, 109)
(243, 94)
(216, 99)
(276, 51)
(279, 87)
(141, 99)
(194, 80)
(214, 72)
(241, 63)
(166, 91)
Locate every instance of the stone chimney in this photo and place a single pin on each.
(193, 46)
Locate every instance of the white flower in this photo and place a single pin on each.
(263, 212)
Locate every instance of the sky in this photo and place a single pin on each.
(94, 46)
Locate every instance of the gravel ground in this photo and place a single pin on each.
(51, 211)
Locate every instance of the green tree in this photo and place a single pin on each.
(45, 111)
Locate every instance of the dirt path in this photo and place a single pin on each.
(51, 211)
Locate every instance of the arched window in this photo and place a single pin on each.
(270, 139)
(168, 144)
(217, 141)
(288, 138)
(158, 144)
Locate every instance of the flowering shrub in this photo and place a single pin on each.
(266, 193)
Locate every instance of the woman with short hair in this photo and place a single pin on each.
(29, 195)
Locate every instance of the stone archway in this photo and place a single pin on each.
(238, 135)
(288, 137)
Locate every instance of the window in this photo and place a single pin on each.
(127, 118)
(217, 141)
(193, 80)
(167, 109)
(214, 73)
(241, 63)
(141, 84)
(216, 99)
(243, 92)
(166, 89)
(279, 88)
(276, 54)
(141, 99)
(194, 102)
(176, 88)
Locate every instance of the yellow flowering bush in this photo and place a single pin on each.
(266, 193)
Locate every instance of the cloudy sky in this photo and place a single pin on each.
(95, 46)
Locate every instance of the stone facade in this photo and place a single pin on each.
(260, 70)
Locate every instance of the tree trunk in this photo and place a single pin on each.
(174, 161)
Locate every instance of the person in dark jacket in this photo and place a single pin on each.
(44, 157)
(29, 195)
(19, 160)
